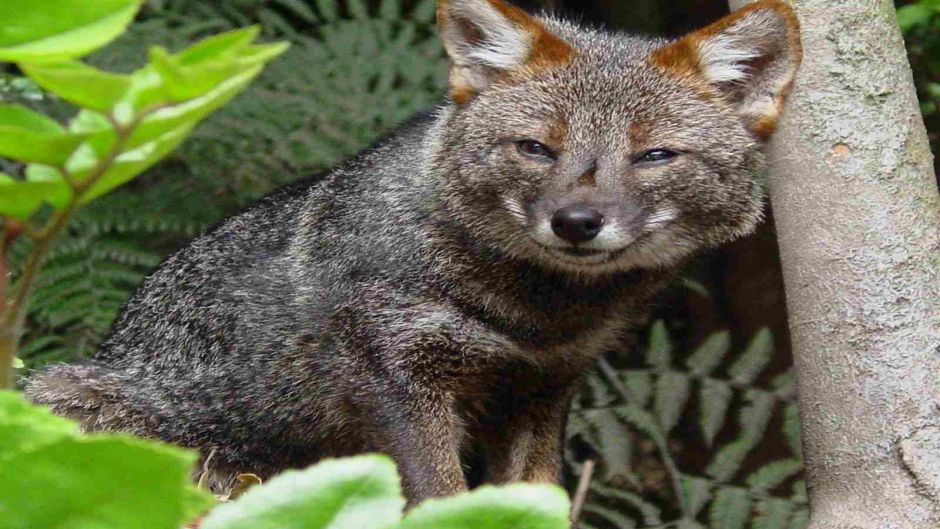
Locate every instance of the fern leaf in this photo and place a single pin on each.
(358, 9)
(697, 492)
(390, 9)
(791, 429)
(639, 386)
(299, 9)
(785, 385)
(754, 359)
(640, 419)
(773, 513)
(731, 509)
(650, 513)
(613, 443)
(756, 413)
(800, 520)
(659, 351)
(672, 393)
(424, 11)
(799, 492)
(773, 474)
(328, 10)
(708, 355)
(689, 524)
(610, 516)
(728, 460)
(714, 399)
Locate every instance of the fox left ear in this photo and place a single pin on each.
(750, 57)
(489, 41)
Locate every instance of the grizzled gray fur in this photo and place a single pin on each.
(440, 295)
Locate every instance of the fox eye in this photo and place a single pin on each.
(534, 149)
(655, 156)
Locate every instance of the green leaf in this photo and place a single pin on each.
(79, 83)
(773, 474)
(99, 482)
(708, 355)
(697, 492)
(914, 15)
(28, 136)
(731, 509)
(659, 352)
(639, 386)
(773, 513)
(756, 413)
(672, 393)
(651, 513)
(754, 359)
(800, 520)
(358, 9)
(613, 440)
(18, 363)
(58, 191)
(53, 30)
(24, 426)
(390, 9)
(791, 429)
(728, 460)
(131, 163)
(714, 399)
(20, 199)
(511, 507)
(355, 493)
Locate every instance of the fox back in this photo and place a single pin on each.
(438, 297)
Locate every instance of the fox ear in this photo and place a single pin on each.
(491, 40)
(750, 57)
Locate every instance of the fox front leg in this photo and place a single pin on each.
(528, 447)
(419, 430)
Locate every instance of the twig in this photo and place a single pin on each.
(675, 477)
(580, 495)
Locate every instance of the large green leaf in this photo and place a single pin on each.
(27, 136)
(53, 477)
(97, 482)
(51, 30)
(355, 493)
(20, 199)
(23, 426)
(512, 507)
(79, 83)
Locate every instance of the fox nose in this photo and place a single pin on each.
(577, 223)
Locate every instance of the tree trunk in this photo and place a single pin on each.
(858, 219)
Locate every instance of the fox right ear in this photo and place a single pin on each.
(749, 57)
(491, 40)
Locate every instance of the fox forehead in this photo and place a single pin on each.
(609, 92)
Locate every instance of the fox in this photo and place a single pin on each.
(439, 297)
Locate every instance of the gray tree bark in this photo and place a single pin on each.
(858, 220)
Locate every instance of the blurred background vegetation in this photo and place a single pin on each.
(693, 417)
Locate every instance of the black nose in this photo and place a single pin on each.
(577, 223)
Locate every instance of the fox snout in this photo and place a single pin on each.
(585, 223)
(577, 223)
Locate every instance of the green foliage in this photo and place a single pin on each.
(52, 476)
(55, 477)
(920, 22)
(648, 426)
(345, 80)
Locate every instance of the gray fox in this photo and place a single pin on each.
(438, 297)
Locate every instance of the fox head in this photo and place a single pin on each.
(596, 152)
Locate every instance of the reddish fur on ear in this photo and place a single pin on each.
(547, 50)
(684, 59)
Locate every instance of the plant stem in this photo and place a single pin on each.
(13, 315)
